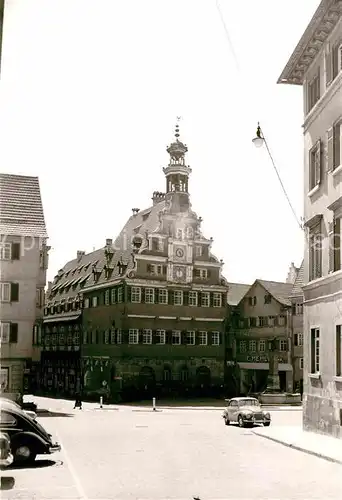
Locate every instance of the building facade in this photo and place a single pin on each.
(316, 64)
(264, 313)
(23, 264)
(297, 325)
(154, 302)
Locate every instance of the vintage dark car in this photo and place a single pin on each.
(8, 402)
(246, 412)
(28, 438)
(6, 457)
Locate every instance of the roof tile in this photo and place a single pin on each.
(21, 208)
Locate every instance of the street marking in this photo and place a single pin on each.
(72, 470)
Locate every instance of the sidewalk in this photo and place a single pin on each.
(321, 446)
(45, 403)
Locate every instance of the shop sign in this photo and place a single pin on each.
(262, 359)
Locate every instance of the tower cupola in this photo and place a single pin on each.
(177, 172)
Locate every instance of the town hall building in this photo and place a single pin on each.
(146, 314)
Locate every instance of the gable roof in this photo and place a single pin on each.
(297, 289)
(21, 208)
(145, 221)
(236, 292)
(280, 291)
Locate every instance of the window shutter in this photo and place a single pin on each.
(197, 339)
(296, 339)
(199, 299)
(330, 149)
(168, 337)
(210, 338)
(337, 244)
(140, 336)
(331, 246)
(156, 295)
(15, 251)
(328, 68)
(14, 333)
(149, 268)
(334, 61)
(125, 336)
(211, 299)
(170, 297)
(164, 269)
(208, 273)
(185, 298)
(129, 293)
(14, 292)
(337, 145)
(154, 337)
(318, 162)
(183, 337)
(142, 295)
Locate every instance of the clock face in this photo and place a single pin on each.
(179, 252)
(179, 273)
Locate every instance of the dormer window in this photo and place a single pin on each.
(267, 298)
(198, 251)
(252, 301)
(201, 273)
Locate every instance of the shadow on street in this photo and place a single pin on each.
(37, 464)
(47, 413)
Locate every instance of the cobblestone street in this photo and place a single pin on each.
(135, 453)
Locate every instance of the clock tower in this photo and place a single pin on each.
(177, 176)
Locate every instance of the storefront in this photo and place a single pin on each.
(254, 372)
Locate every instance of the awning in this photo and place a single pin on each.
(282, 367)
(62, 318)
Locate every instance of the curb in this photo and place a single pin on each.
(299, 448)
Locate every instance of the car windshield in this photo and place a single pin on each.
(249, 402)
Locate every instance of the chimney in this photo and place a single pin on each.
(80, 254)
(135, 211)
(157, 197)
(109, 242)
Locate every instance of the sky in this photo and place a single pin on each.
(89, 99)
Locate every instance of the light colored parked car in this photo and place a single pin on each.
(246, 412)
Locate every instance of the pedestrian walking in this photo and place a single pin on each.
(78, 401)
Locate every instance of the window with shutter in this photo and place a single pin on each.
(315, 253)
(14, 292)
(315, 165)
(15, 251)
(313, 91)
(4, 332)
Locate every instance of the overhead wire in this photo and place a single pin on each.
(231, 45)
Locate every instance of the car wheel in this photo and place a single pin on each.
(267, 424)
(24, 452)
(226, 421)
(240, 421)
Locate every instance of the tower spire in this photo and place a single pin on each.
(177, 172)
